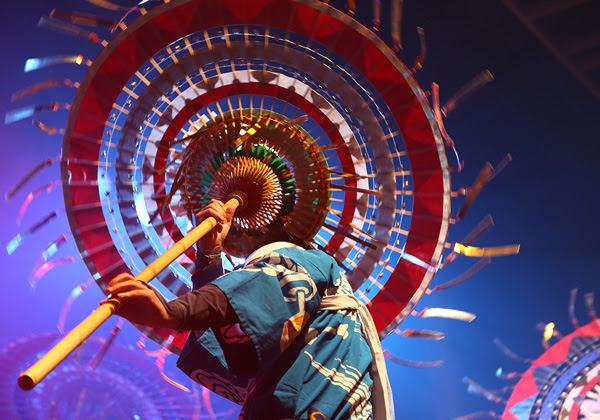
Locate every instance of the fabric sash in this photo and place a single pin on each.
(381, 396)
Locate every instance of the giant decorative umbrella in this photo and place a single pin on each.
(303, 114)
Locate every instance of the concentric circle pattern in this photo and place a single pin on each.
(362, 171)
(123, 385)
(563, 382)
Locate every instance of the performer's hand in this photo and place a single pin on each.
(139, 303)
(224, 216)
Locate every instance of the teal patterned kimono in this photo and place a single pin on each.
(306, 360)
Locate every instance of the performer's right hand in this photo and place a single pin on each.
(139, 303)
(224, 216)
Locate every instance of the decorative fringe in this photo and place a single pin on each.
(28, 111)
(160, 356)
(15, 242)
(435, 99)
(10, 194)
(107, 343)
(70, 29)
(508, 352)
(486, 175)
(48, 130)
(47, 266)
(411, 363)
(572, 316)
(418, 65)
(507, 375)
(75, 293)
(31, 196)
(396, 23)
(84, 19)
(474, 388)
(445, 313)
(486, 223)
(477, 82)
(588, 299)
(28, 91)
(38, 63)
(473, 192)
(49, 251)
(463, 277)
(376, 14)
(549, 332)
(480, 415)
(432, 335)
(507, 159)
(207, 403)
(351, 6)
(105, 4)
(496, 251)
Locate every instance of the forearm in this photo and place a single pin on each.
(201, 309)
(207, 268)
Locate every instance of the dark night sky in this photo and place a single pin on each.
(547, 199)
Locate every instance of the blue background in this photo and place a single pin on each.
(547, 199)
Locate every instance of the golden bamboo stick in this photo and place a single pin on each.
(38, 371)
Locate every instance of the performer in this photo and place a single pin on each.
(283, 336)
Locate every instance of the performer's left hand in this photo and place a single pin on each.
(139, 303)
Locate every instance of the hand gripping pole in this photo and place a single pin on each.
(38, 371)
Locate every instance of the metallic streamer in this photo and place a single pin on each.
(482, 179)
(28, 91)
(478, 81)
(31, 196)
(432, 335)
(10, 194)
(464, 276)
(550, 331)
(396, 23)
(572, 316)
(376, 14)
(28, 111)
(79, 18)
(435, 98)
(196, 398)
(15, 242)
(47, 129)
(160, 363)
(107, 343)
(411, 363)
(47, 266)
(70, 29)
(105, 4)
(508, 352)
(588, 299)
(492, 251)
(480, 415)
(507, 375)
(49, 251)
(486, 223)
(474, 388)
(207, 404)
(445, 313)
(418, 65)
(351, 6)
(507, 159)
(160, 356)
(52, 247)
(38, 63)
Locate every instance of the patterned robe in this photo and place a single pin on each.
(301, 359)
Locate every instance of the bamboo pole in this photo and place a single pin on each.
(38, 371)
